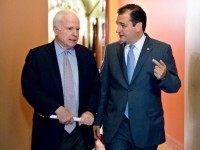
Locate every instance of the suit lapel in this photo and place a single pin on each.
(120, 54)
(80, 63)
(143, 56)
(55, 68)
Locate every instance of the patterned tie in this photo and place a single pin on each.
(130, 69)
(70, 101)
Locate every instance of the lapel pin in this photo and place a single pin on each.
(148, 49)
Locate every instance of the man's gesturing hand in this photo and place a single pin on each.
(160, 69)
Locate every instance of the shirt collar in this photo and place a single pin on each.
(139, 43)
(60, 49)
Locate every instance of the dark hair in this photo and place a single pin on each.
(137, 14)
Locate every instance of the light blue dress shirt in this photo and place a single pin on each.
(73, 62)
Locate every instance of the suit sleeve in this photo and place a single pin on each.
(171, 82)
(104, 78)
(32, 88)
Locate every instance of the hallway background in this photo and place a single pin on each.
(24, 25)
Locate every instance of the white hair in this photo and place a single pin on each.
(60, 16)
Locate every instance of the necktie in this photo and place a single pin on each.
(70, 101)
(130, 62)
(130, 69)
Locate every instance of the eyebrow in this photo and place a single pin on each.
(118, 22)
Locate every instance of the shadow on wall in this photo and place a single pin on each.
(194, 100)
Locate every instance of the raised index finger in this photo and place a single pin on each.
(157, 63)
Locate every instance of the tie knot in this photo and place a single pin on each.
(131, 46)
(67, 52)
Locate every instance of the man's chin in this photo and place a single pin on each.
(122, 41)
(72, 44)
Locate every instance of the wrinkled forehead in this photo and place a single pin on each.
(71, 22)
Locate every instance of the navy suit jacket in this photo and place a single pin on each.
(143, 93)
(42, 87)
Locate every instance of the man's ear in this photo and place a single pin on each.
(56, 30)
(138, 26)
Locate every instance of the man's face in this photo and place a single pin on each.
(125, 29)
(68, 32)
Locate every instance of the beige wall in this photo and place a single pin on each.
(112, 6)
(23, 26)
(192, 79)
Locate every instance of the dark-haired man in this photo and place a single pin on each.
(135, 71)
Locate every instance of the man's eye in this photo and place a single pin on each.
(70, 28)
(123, 26)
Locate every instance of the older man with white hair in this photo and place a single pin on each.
(60, 81)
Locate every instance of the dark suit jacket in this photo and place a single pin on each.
(42, 87)
(143, 94)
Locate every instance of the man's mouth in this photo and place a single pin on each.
(73, 40)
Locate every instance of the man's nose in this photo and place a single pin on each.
(75, 32)
(118, 29)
